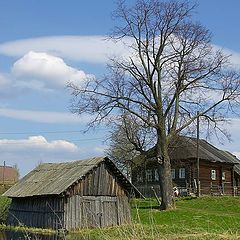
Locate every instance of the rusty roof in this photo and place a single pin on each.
(56, 178)
(8, 174)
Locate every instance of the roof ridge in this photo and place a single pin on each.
(65, 174)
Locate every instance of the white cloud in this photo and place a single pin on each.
(234, 56)
(100, 150)
(6, 85)
(95, 49)
(41, 70)
(38, 143)
(27, 153)
(4, 82)
(233, 128)
(44, 116)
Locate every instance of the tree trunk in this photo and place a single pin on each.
(165, 181)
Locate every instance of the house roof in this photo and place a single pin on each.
(56, 178)
(237, 166)
(8, 174)
(186, 148)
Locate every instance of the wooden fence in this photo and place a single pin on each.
(212, 189)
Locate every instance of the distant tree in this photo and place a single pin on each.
(15, 166)
(127, 140)
(171, 76)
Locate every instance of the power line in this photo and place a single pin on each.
(47, 132)
(67, 140)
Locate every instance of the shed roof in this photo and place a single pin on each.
(186, 148)
(56, 178)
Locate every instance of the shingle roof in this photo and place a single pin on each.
(55, 178)
(186, 148)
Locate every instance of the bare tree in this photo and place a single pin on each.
(128, 139)
(172, 72)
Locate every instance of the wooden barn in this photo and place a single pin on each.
(87, 193)
(216, 169)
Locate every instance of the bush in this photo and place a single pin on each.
(4, 205)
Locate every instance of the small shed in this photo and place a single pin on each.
(79, 194)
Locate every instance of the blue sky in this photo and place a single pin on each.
(35, 122)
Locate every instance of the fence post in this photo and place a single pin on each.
(234, 191)
(223, 189)
(199, 188)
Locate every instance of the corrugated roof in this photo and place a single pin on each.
(237, 169)
(55, 178)
(186, 148)
(52, 178)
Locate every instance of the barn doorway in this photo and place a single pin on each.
(92, 211)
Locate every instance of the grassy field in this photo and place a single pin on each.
(203, 218)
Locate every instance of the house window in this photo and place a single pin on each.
(139, 177)
(213, 174)
(173, 172)
(181, 172)
(156, 177)
(223, 176)
(149, 175)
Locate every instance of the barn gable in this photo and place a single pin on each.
(58, 178)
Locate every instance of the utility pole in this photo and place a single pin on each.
(198, 181)
(4, 165)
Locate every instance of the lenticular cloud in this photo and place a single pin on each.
(90, 49)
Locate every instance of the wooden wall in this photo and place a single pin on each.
(98, 200)
(218, 186)
(96, 211)
(145, 186)
(40, 212)
(99, 182)
(207, 185)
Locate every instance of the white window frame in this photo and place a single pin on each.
(223, 175)
(182, 173)
(213, 174)
(149, 175)
(173, 173)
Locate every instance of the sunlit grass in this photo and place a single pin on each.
(210, 214)
(194, 218)
(202, 218)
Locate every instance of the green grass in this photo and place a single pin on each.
(212, 214)
(194, 218)
(202, 218)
